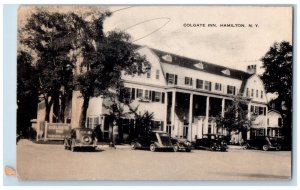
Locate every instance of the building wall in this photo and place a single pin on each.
(195, 74)
(155, 67)
(273, 118)
(255, 83)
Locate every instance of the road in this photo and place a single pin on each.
(45, 161)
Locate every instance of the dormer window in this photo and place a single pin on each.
(226, 72)
(199, 66)
(167, 58)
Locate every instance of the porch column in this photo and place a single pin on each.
(249, 117)
(166, 112)
(173, 110)
(223, 107)
(266, 118)
(207, 113)
(190, 137)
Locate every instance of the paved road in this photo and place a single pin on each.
(44, 161)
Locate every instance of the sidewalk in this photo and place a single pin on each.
(235, 147)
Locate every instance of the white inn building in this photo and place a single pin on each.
(184, 94)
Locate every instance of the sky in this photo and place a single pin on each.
(163, 27)
(169, 28)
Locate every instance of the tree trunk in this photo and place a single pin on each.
(56, 107)
(62, 108)
(85, 106)
(48, 108)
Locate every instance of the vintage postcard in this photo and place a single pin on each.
(154, 92)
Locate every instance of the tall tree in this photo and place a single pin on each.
(27, 92)
(52, 37)
(235, 116)
(105, 58)
(278, 78)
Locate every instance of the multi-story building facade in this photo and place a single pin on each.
(184, 94)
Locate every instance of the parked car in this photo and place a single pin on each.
(264, 143)
(80, 138)
(153, 140)
(211, 142)
(181, 144)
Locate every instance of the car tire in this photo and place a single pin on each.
(65, 145)
(133, 146)
(175, 148)
(212, 148)
(265, 148)
(73, 148)
(278, 148)
(188, 150)
(152, 148)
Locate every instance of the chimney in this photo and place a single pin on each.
(251, 69)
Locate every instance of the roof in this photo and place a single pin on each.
(207, 67)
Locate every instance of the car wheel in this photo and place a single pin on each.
(212, 148)
(175, 148)
(188, 150)
(73, 146)
(133, 146)
(152, 148)
(65, 144)
(265, 147)
(278, 148)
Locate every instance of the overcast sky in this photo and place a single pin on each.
(162, 27)
(236, 47)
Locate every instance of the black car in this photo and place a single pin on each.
(80, 138)
(181, 144)
(211, 142)
(264, 143)
(153, 140)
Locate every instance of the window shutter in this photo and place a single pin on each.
(191, 82)
(197, 83)
(175, 79)
(209, 86)
(133, 93)
(234, 90)
(167, 77)
(153, 96)
(163, 98)
(150, 95)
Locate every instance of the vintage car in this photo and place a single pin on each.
(263, 142)
(211, 142)
(80, 138)
(153, 140)
(181, 144)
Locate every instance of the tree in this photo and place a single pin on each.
(27, 92)
(105, 58)
(52, 37)
(277, 77)
(235, 116)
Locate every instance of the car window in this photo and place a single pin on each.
(165, 138)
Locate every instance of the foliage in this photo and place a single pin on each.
(105, 58)
(278, 71)
(27, 92)
(53, 38)
(235, 116)
(278, 78)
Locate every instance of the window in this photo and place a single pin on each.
(149, 73)
(157, 96)
(207, 85)
(92, 122)
(230, 89)
(256, 93)
(252, 109)
(188, 81)
(261, 94)
(280, 122)
(171, 78)
(252, 92)
(139, 93)
(218, 86)
(147, 94)
(261, 110)
(157, 74)
(247, 92)
(199, 84)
